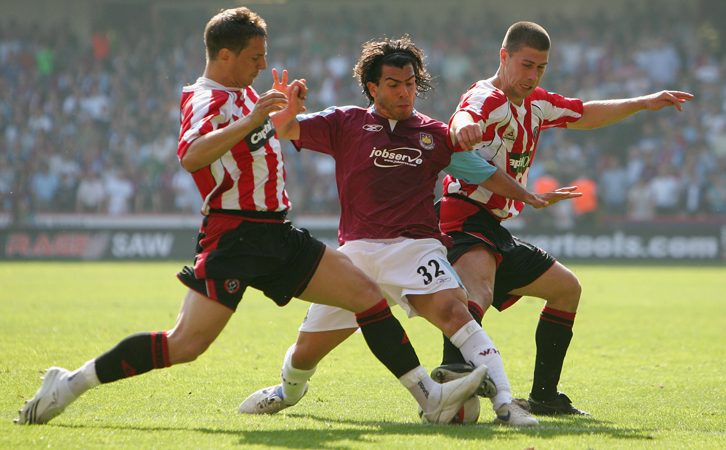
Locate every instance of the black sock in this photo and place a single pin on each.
(387, 339)
(452, 355)
(137, 354)
(553, 336)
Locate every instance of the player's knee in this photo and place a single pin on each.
(483, 296)
(366, 292)
(570, 298)
(453, 315)
(573, 288)
(187, 350)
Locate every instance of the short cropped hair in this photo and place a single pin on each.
(526, 34)
(232, 29)
(397, 53)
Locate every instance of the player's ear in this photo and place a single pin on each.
(224, 55)
(373, 89)
(503, 55)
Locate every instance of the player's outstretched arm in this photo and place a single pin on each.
(502, 184)
(600, 113)
(285, 121)
(210, 147)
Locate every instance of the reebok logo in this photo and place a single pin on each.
(372, 127)
(396, 157)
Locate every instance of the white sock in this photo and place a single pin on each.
(478, 348)
(83, 378)
(426, 391)
(293, 380)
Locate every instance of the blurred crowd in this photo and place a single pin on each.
(92, 125)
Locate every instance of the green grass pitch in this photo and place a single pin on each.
(647, 360)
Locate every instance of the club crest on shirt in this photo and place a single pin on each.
(426, 141)
(535, 133)
(372, 127)
(509, 134)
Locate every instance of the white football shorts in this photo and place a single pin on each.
(400, 266)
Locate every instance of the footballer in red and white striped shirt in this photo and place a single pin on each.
(251, 175)
(502, 117)
(510, 134)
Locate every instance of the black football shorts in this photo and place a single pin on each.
(519, 263)
(235, 252)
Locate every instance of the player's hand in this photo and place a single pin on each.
(659, 100)
(296, 92)
(270, 102)
(552, 197)
(469, 135)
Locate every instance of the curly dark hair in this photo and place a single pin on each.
(232, 29)
(391, 52)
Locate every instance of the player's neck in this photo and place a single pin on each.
(498, 83)
(216, 74)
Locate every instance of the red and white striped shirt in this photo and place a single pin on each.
(251, 175)
(510, 135)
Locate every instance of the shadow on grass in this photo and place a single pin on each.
(372, 432)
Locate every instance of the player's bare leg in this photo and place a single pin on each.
(558, 286)
(311, 348)
(476, 270)
(446, 310)
(199, 323)
(561, 290)
(301, 361)
(337, 282)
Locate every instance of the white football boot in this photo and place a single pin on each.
(267, 401)
(453, 396)
(516, 414)
(50, 400)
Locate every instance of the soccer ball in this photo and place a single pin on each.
(469, 412)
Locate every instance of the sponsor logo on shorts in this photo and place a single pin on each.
(231, 286)
(426, 141)
(372, 127)
(396, 157)
(443, 280)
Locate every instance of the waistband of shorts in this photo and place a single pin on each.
(395, 240)
(255, 216)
